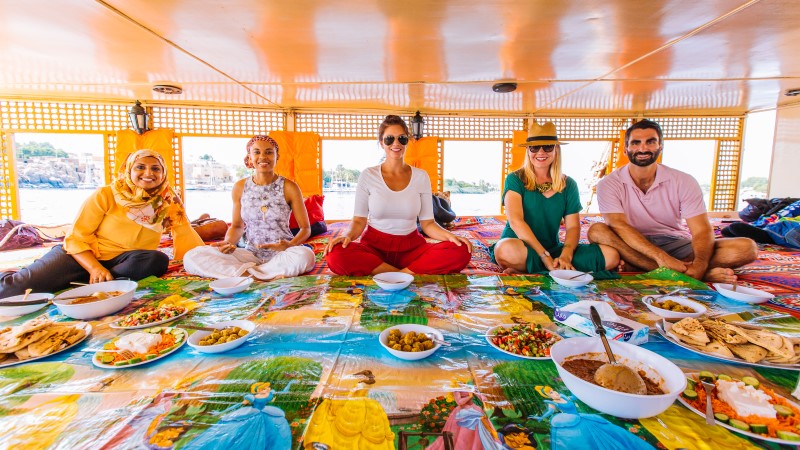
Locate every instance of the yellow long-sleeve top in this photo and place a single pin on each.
(103, 227)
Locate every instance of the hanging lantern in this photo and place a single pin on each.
(139, 118)
(417, 125)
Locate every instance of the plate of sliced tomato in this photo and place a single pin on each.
(529, 341)
(148, 316)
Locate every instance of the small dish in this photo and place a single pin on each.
(411, 356)
(196, 337)
(25, 309)
(148, 313)
(742, 294)
(532, 337)
(571, 278)
(230, 286)
(698, 308)
(393, 281)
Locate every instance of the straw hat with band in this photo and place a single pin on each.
(539, 135)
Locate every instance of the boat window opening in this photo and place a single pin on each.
(56, 172)
(579, 161)
(695, 157)
(756, 156)
(342, 163)
(472, 174)
(211, 165)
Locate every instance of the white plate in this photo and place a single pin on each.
(116, 325)
(146, 361)
(664, 332)
(743, 294)
(698, 308)
(565, 277)
(86, 328)
(26, 309)
(794, 444)
(493, 330)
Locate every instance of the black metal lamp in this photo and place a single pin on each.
(139, 118)
(417, 125)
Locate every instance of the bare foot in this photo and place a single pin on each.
(720, 275)
(511, 271)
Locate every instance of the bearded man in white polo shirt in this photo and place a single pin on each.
(643, 204)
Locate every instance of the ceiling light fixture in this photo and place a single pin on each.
(792, 92)
(504, 87)
(168, 89)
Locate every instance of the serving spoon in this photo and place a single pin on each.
(613, 375)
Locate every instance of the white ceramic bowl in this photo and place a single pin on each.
(620, 404)
(562, 277)
(99, 308)
(197, 336)
(743, 294)
(698, 308)
(230, 286)
(393, 281)
(22, 310)
(410, 356)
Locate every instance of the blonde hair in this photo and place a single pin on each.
(525, 173)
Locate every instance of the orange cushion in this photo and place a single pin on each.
(314, 208)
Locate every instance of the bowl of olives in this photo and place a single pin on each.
(226, 336)
(410, 341)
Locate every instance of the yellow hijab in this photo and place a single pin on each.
(148, 208)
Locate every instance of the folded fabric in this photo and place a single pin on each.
(314, 208)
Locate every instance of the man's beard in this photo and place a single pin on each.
(643, 162)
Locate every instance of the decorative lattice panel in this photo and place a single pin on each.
(43, 117)
(341, 126)
(9, 207)
(585, 128)
(471, 128)
(217, 122)
(440, 166)
(700, 127)
(725, 179)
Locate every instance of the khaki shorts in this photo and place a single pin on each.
(678, 247)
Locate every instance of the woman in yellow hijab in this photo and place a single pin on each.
(115, 235)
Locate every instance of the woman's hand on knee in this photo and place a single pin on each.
(459, 240)
(279, 246)
(344, 240)
(224, 247)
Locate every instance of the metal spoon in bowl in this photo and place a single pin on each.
(613, 375)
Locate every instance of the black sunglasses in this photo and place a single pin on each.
(389, 140)
(546, 148)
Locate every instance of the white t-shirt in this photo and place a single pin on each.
(393, 212)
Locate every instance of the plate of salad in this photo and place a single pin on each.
(529, 341)
(148, 316)
(775, 419)
(139, 347)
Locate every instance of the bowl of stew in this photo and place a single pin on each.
(95, 300)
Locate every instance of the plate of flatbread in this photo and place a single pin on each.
(39, 338)
(741, 343)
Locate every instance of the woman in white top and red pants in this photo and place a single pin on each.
(389, 200)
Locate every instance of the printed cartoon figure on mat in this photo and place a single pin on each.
(570, 429)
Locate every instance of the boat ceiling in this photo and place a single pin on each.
(569, 57)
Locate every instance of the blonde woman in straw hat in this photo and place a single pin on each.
(537, 197)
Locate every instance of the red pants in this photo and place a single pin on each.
(410, 251)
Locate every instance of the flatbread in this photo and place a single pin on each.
(770, 341)
(749, 352)
(51, 343)
(690, 330)
(27, 339)
(31, 325)
(719, 348)
(75, 335)
(721, 331)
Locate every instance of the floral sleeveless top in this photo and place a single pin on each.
(266, 216)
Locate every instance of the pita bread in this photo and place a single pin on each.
(749, 352)
(49, 344)
(25, 340)
(23, 354)
(75, 335)
(720, 331)
(691, 331)
(31, 325)
(3, 356)
(770, 341)
(719, 348)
